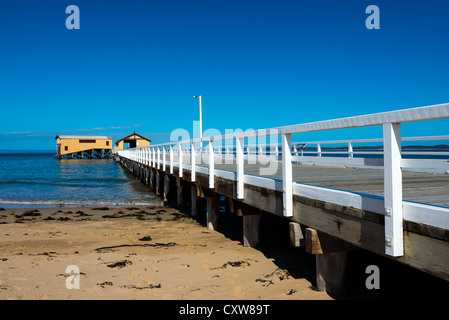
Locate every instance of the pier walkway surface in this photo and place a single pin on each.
(392, 199)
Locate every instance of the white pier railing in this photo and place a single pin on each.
(188, 155)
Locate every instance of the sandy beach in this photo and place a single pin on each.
(140, 253)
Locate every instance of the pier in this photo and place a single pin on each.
(393, 202)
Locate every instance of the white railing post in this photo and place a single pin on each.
(180, 160)
(158, 158)
(171, 159)
(240, 167)
(164, 152)
(394, 238)
(287, 179)
(350, 150)
(153, 154)
(193, 161)
(211, 164)
(319, 149)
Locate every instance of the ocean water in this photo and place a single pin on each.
(39, 180)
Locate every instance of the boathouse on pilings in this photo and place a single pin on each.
(83, 147)
(132, 141)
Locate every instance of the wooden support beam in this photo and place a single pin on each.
(320, 243)
(194, 200)
(152, 182)
(251, 230)
(212, 212)
(240, 208)
(331, 271)
(296, 235)
(179, 196)
(158, 183)
(166, 189)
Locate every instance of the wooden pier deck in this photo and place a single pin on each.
(429, 188)
(399, 210)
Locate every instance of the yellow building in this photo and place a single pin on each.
(132, 141)
(83, 146)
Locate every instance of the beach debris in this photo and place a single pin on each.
(50, 254)
(64, 219)
(119, 264)
(234, 264)
(279, 273)
(106, 283)
(146, 238)
(292, 291)
(101, 208)
(83, 214)
(121, 214)
(31, 213)
(266, 283)
(156, 245)
(151, 286)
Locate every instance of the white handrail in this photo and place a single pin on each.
(392, 161)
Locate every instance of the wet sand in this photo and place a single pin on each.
(140, 253)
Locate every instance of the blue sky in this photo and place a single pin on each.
(134, 66)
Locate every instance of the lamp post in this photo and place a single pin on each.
(201, 120)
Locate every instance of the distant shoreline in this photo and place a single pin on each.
(7, 151)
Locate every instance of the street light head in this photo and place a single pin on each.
(194, 97)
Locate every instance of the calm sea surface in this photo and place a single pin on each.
(38, 180)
